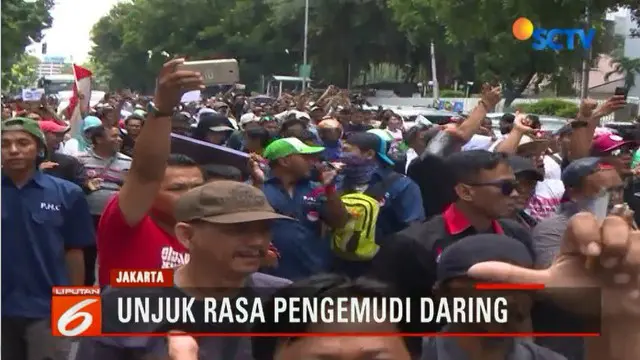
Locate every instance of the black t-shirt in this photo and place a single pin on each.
(68, 168)
(432, 174)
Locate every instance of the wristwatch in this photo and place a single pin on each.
(153, 110)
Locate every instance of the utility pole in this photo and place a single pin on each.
(586, 60)
(306, 40)
(434, 77)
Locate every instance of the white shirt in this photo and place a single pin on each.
(478, 142)
(70, 147)
(411, 155)
(546, 199)
(552, 169)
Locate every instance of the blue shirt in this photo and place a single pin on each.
(304, 251)
(332, 152)
(401, 206)
(39, 221)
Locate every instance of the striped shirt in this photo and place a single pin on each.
(111, 170)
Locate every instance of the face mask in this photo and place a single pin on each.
(357, 170)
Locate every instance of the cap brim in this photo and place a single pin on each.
(386, 159)
(537, 146)
(245, 217)
(310, 150)
(61, 130)
(220, 128)
(617, 146)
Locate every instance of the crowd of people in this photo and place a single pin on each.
(334, 199)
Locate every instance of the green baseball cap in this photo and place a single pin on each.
(289, 146)
(24, 124)
(29, 126)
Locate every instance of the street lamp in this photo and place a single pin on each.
(306, 39)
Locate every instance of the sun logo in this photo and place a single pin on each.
(522, 28)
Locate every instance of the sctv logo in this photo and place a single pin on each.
(554, 39)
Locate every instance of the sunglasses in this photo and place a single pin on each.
(507, 186)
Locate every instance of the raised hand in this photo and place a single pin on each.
(606, 256)
(491, 95)
(173, 83)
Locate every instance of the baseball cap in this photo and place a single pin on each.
(522, 165)
(248, 118)
(383, 134)
(24, 124)
(289, 146)
(577, 170)
(532, 145)
(606, 142)
(52, 127)
(369, 141)
(267, 118)
(460, 256)
(90, 122)
(225, 202)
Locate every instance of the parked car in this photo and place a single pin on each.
(549, 123)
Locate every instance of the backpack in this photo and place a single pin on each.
(356, 240)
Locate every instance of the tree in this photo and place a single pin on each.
(345, 36)
(129, 41)
(22, 74)
(481, 32)
(630, 68)
(21, 23)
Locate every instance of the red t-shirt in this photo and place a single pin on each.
(143, 246)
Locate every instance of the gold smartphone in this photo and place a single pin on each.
(215, 72)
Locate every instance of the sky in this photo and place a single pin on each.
(70, 33)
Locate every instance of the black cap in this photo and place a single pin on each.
(521, 165)
(577, 170)
(369, 141)
(456, 259)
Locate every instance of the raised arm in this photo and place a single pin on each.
(153, 145)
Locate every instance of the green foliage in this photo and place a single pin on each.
(347, 38)
(125, 36)
(479, 34)
(552, 107)
(21, 21)
(630, 68)
(22, 74)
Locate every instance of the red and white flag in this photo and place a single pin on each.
(79, 102)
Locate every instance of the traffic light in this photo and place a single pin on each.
(44, 48)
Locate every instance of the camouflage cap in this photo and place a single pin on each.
(225, 202)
